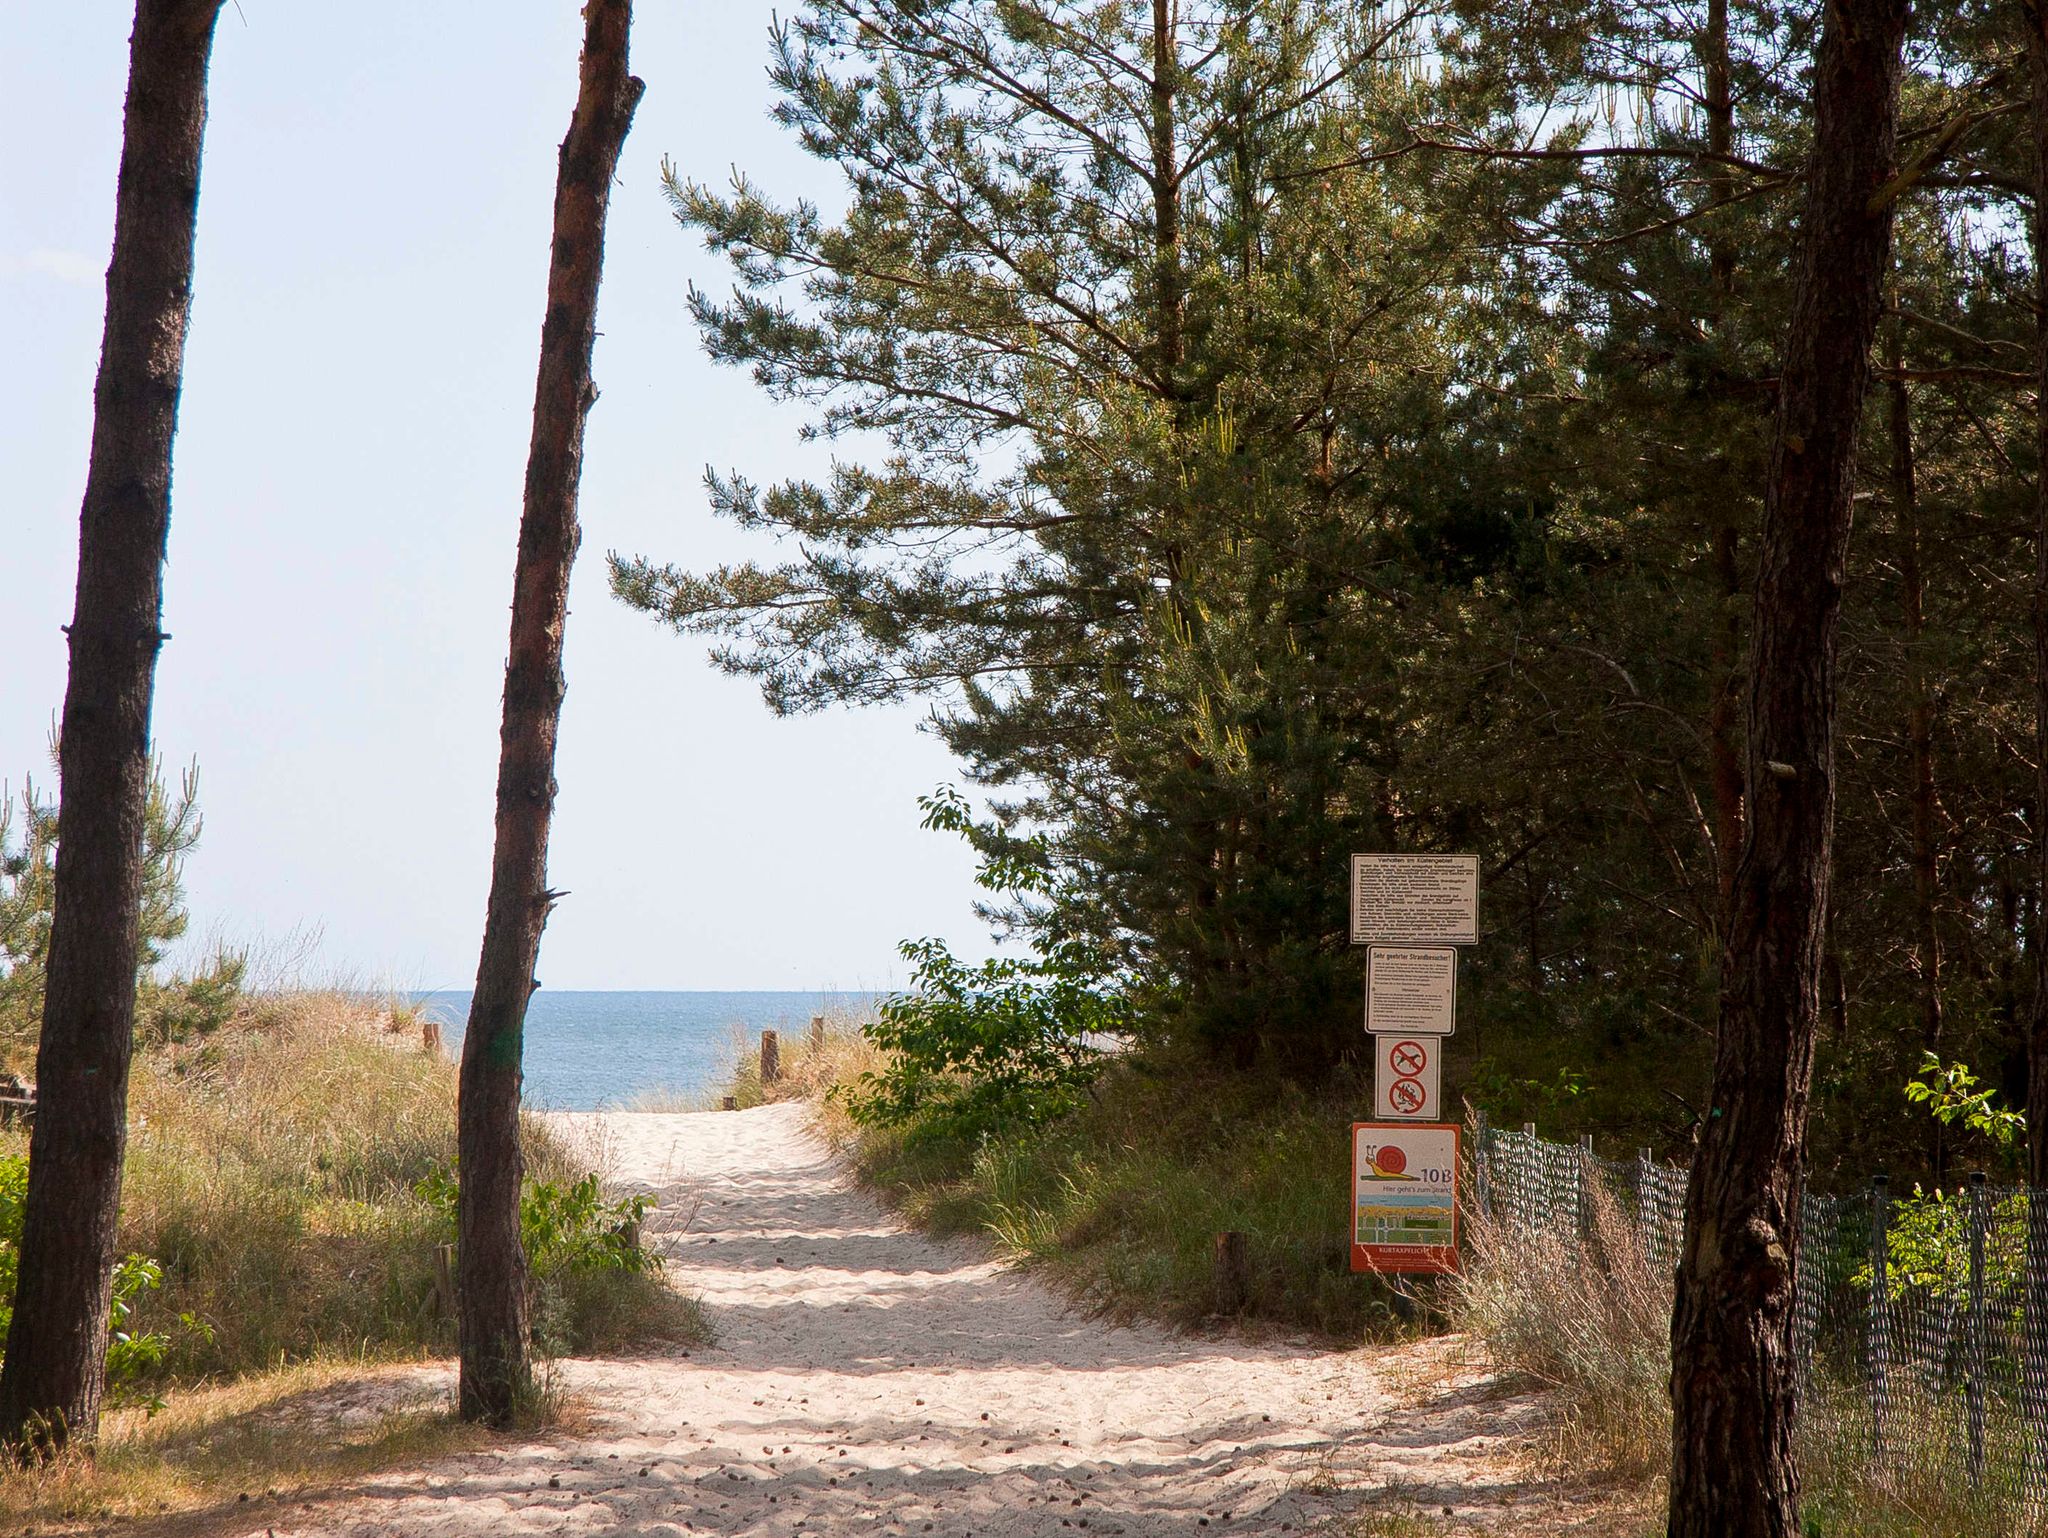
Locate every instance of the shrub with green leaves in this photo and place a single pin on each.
(132, 1354)
(972, 1049)
(565, 1229)
(1012, 1042)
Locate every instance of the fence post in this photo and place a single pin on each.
(1585, 1188)
(1975, 1384)
(817, 1033)
(2034, 1354)
(771, 1058)
(1880, 1317)
(1525, 1186)
(1482, 1189)
(1649, 1223)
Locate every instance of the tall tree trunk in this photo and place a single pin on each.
(1725, 692)
(2036, 13)
(492, 1311)
(1905, 500)
(1732, 1374)
(55, 1370)
(2035, 1406)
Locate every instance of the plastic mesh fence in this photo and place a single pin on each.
(1921, 1322)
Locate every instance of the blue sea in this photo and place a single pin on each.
(587, 1051)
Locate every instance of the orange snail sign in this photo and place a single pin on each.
(1404, 1197)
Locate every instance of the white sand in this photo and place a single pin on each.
(867, 1380)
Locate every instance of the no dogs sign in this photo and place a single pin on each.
(1408, 1077)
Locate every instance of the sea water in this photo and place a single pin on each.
(588, 1051)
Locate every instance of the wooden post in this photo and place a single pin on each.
(1880, 1317)
(1585, 1192)
(1233, 1273)
(817, 1033)
(1649, 1210)
(730, 1103)
(444, 1281)
(1974, 1384)
(771, 1059)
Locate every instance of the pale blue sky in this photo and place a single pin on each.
(371, 266)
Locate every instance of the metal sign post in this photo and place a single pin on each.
(1411, 910)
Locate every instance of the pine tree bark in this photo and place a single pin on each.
(2035, 1402)
(2036, 14)
(1905, 500)
(51, 1383)
(496, 1374)
(1732, 1376)
(1725, 657)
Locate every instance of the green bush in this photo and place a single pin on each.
(971, 1050)
(562, 1228)
(1002, 1046)
(132, 1353)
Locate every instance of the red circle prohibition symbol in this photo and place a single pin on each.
(1407, 1058)
(1405, 1096)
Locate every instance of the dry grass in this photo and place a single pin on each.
(812, 1061)
(273, 1170)
(1587, 1319)
(270, 1438)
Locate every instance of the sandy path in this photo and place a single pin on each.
(868, 1380)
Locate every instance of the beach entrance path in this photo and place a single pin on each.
(868, 1380)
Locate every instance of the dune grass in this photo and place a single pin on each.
(1120, 1202)
(278, 1171)
(1589, 1321)
(274, 1171)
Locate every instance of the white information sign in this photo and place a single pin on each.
(1415, 899)
(1407, 1077)
(1411, 990)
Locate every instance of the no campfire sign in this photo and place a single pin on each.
(1408, 1077)
(1404, 1197)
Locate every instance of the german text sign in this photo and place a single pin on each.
(1411, 990)
(1404, 1197)
(1407, 1077)
(1415, 899)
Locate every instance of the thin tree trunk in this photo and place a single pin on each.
(496, 1377)
(1905, 499)
(1725, 696)
(2036, 14)
(1732, 1376)
(2035, 1401)
(55, 1370)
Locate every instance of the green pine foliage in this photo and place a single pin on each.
(1323, 428)
(168, 1008)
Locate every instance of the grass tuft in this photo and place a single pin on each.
(1588, 1319)
(1120, 1202)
